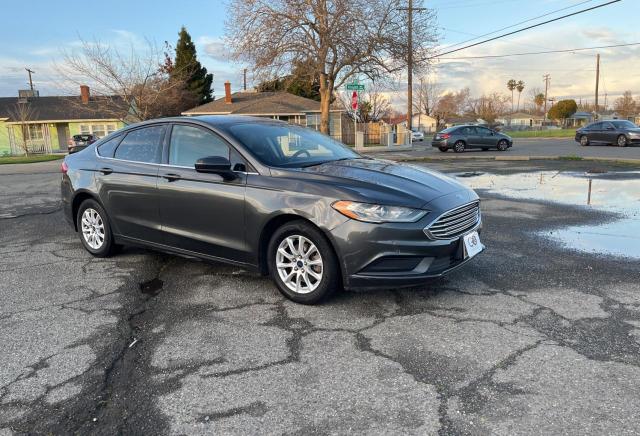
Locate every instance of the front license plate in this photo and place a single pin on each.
(472, 244)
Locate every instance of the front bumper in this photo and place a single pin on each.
(393, 255)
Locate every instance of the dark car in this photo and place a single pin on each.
(263, 194)
(461, 138)
(80, 142)
(616, 132)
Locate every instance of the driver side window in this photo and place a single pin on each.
(189, 143)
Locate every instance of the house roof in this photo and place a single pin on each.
(67, 108)
(259, 103)
(580, 115)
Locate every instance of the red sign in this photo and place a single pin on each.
(354, 100)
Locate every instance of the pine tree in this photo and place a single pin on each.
(186, 64)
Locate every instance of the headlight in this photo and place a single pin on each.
(376, 213)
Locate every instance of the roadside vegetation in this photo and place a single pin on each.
(29, 159)
(553, 133)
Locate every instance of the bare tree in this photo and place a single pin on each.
(334, 40)
(427, 95)
(373, 105)
(22, 113)
(131, 86)
(489, 107)
(451, 104)
(626, 105)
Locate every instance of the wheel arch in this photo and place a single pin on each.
(78, 199)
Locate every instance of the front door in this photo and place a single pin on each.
(486, 137)
(202, 212)
(128, 183)
(63, 136)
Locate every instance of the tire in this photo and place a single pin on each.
(621, 141)
(298, 280)
(443, 149)
(459, 146)
(94, 229)
(584, 140)
(503, 145)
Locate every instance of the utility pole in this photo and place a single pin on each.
(547, 79)
(30, 81)
(410, 10)
(597, 81)
(244, 73)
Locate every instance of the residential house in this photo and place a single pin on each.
(459, 121)
(422, 122)
(579, 119)
(53, 120)
(521, 120)
(278, 105)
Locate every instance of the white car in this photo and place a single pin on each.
(417, 136)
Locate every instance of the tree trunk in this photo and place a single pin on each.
(326, 89)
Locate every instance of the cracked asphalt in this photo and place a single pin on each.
(530, 338)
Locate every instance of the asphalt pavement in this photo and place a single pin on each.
(532, 337)
(532, 147)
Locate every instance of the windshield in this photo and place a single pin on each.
(289, 146)
(624, 124)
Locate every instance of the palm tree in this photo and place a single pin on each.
(539, 101)
(520, 88)
(511, 85)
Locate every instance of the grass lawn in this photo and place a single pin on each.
(557, 133)
(29, 159)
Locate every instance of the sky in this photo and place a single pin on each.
(47, 28)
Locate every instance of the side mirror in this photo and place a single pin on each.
(215, 165)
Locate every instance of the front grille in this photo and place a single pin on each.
(456, 222)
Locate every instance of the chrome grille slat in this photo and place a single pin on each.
(455, 222)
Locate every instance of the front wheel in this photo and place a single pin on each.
(94, 229)
(503, 145)
(622, 141)
(584, 140)
(458, 147)
(302, 263)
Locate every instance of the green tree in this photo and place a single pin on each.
(563, 110)
(538, 100)
(297, 83)
(186, 66)
(520, 88)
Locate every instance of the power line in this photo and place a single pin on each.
(516, 24)
(568, 50)
(523, 29)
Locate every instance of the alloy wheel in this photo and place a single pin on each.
(92, 228)
(622, 141)
(299, 264)
(584, 141)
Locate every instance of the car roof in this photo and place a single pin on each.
(213, 120)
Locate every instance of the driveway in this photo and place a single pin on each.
(532, 337)
(526, 147)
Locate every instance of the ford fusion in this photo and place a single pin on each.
(284, 200)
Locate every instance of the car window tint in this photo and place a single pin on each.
(107, 148)
(595, 126)
(188, 144)
(142, 145)
(483, 131)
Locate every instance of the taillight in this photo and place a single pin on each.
(64, 168)
(445, 136)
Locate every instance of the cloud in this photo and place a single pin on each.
(215, 48)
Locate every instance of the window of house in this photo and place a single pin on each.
(99, 130)
(34, 132)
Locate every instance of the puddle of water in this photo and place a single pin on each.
(611, 192)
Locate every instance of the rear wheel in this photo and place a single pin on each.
(94, 229)
(622, 141)
(584, 141)
(302, 263)
(459, 146)
(503, 145)
(443, 149)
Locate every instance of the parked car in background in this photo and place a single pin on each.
(461, 138)
(80, 142)
(616, 132)
(417, 135)
(267, 195)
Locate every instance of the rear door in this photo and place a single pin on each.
(471, 136)
(127, 180)
(609, 133)
(202, 212)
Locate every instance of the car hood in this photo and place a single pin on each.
(392, 182)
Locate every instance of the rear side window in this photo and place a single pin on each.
(142, 145)
(107, 148)
(188, 144)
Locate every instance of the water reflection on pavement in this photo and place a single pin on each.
(614, 192)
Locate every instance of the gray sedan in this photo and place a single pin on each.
(281, 199)
(617, 132)
(460, 138)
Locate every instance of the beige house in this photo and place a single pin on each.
(521, 120)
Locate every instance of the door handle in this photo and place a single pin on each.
(106, 171)
(172, 177)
